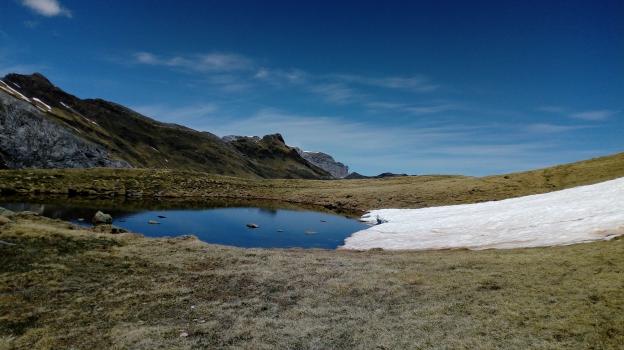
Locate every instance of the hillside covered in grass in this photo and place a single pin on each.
(48, 118)
(359, 195)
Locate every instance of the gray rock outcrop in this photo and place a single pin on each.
(28, 139)
(325, 162)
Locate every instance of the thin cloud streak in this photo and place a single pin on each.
(596, 115)
(209, 62)
(591, 115)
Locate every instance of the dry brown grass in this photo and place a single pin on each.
(403, 192)
(62, 287)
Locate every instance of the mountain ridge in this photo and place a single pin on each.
(140, 141)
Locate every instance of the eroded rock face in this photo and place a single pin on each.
(30, 140)
(325, 162)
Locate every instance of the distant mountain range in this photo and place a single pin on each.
(354, 175)
(42, 126)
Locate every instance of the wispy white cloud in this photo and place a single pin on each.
(48, 8)
(281, 77)
(591, 115)
(414, 83)
(595, 115)
(335, 92)
(208, 62)
(548, 128)
(244, 72)
(552, 109)
(420, 109)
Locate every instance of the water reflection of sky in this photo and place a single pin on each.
(277, 227)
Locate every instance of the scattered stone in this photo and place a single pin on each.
(192, 307)
(4, 220)
(27, 213)
(101, 219)
(7, 243)
(106, 228)
(184, 335)
(153, 222)
(253, 225)
(6, 212)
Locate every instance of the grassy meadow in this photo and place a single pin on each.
(66, 287)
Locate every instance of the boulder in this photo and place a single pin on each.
(100, 218)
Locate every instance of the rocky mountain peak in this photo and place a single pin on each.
(325, 162)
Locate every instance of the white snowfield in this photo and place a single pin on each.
(580, 214)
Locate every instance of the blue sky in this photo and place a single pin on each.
(471, 87)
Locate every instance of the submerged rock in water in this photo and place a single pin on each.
(153, 222)
(100, 218)
(253, 225)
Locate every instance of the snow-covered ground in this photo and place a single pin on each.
(580, 214)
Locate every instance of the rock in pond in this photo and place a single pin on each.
(101, 219)
(253, 225)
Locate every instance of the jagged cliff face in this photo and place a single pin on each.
(30, 140)
(325, 162)
(43, 126)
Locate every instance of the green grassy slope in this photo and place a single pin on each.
(147, 143)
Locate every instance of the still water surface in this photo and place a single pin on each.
(279, 226)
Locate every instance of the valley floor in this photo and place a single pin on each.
(66, 287)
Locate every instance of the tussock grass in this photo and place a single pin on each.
(64, 287)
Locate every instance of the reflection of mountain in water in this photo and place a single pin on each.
(119, 207)
(65, 212)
